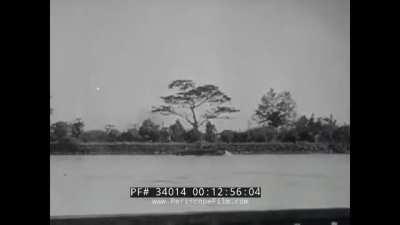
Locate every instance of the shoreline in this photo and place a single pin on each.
(181, 149)
(141, 154)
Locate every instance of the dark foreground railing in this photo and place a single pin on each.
(336, 216)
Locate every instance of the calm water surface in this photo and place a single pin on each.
(99, 184)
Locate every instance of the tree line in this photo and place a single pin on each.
(198, 106)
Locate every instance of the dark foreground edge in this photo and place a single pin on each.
(333, 216)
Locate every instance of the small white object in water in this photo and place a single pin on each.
(227, 153)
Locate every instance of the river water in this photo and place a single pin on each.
(99, 184)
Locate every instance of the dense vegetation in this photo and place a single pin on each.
(275, 115)
(304, 129)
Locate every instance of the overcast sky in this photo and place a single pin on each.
(111, 60)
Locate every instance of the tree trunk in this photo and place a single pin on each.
(195, 123)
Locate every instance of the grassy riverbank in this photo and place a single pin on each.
(196, 148)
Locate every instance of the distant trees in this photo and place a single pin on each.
(322, 130)
(262, 134)
(240, 137)
(326, 128)
(113, 134)
(165, 135)
(149, 131)
(131, 135)
(275, 109)
(60, 130)
(227, 136)
(94, 136)
(211, 132)
(77, 128)
(126, 136)
(109, 127)
(342, 134)
(198, 105)
(304, 129)
(189, 99)
(177, 132)
(193, 135)
(287, 135)
(66, 134)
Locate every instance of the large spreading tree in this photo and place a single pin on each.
(276, 109)
(195, 104)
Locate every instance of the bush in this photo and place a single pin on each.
(210, 135)
(149, 131)
(287, 135)
(165, 135)
(94, 136)
(177, 132)
(240, 137)
(261, 134)
(324, 136)
(305, 129)
(113, 135)
(227, 136)
(339, 148)
(126, 136)
(305, 136)
(256, 135)
(342, 134)
(60, 130)
(77, 128)
(67, 144)
(193, 136)
(130, 135)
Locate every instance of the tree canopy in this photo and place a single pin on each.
(195, 104)
(276, 109)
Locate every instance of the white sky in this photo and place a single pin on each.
(112, 60)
